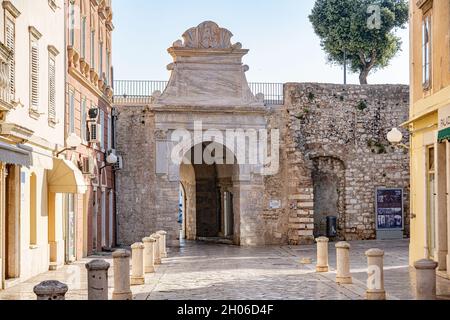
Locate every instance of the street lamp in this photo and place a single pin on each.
(395, 137)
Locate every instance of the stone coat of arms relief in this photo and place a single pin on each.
(208, 35)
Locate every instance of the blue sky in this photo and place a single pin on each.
(283, 46)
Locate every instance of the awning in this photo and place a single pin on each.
(65, 177)
(14, 155)
(444, 135)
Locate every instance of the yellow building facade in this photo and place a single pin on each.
(429, 127)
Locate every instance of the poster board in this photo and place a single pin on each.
(389, 211)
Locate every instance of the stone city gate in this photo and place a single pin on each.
(332, 153)
(208, 86)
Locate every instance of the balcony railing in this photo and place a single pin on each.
(140, 91)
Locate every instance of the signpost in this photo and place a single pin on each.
(390, 219)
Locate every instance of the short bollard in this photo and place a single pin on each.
(322, 254)
(157, 252)
(137, 264)
(97, 279)
(51, 290)
(426, 279)
(149, 255)
(163, 242)
(343, 263)
(375, 271)
(122, 275)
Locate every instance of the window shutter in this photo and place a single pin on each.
(51, 89)
(72, 113)
(83, 124)
(34, 75)
(11, 44)
(102, 130)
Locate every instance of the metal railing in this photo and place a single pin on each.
(140, 91)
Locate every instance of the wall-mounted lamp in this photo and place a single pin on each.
(72, 143)
(395, 137)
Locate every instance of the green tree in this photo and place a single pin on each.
(363, 29)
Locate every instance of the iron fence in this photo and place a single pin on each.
(139, 91)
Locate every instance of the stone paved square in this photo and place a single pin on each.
(203, 271)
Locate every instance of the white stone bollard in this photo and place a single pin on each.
(157, 252)
(122, 289)
(322, 254)
(97, 279)
(137, 264)
(343, 263)
(375, 271)
(163, 247)
(149, 254)
(51, 290)
(426, 279)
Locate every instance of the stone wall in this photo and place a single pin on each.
(341, 131)
(333, 147)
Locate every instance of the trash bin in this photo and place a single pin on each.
(331, 226)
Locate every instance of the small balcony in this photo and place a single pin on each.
(5, 87)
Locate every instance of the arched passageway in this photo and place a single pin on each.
(208, 191)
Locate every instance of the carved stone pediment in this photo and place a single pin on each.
(207, 35)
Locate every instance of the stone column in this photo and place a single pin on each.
(137, 264)
(426, 279)
(97, 279)
(157, 251)
(163, 247)
(122, 275)
(343, 263)
(375, 271)
(322, 254)
(149, 254)
(51, 290)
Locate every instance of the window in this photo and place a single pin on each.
(51, 87)
(100, 59)
(102, 130)
(110, 146)
(72, 23)
(426, 50)
(10, 36)
(33, 210)
(108, 68)
(71, 112)
(34, 72)
(83, 124)
(93, 49)
(83, 38)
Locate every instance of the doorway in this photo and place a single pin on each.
(431, 202)
(12, 220)
(206, 196)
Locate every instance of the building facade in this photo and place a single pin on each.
(89, 95)
(429, 128)
(327, 148)
(33, 179)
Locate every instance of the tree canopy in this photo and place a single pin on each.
(363, 29)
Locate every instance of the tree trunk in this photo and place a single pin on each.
(363, 76)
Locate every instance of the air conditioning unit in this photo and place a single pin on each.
(119, 163)
(93, 114)
(94, 132)
(88, 165)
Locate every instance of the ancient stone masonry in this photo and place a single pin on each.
(333, 154)
(336, 142)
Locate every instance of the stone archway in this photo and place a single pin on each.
(329, 193)
(209, 190)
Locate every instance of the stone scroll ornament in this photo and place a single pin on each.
(208, 35)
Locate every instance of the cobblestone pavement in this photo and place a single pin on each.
(200, 271)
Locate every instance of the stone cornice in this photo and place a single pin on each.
(53, 50)
(424, 5)
(87, 84)
(15, 132)
(7, 5)
(35, 32)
